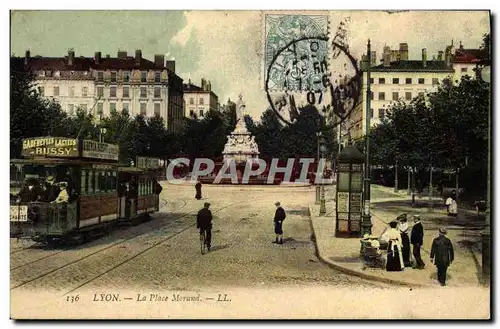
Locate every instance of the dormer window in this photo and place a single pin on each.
(41, 73)
(57, 74)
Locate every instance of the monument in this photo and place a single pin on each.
(241, 145)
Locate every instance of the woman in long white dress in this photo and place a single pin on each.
(394, 255)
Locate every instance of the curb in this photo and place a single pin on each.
(357, 273)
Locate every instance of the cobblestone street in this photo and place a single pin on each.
(165, 253)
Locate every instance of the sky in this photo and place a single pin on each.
(226, 47)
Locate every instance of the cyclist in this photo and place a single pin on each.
(204, 223)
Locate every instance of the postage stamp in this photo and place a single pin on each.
(177, 178)
(295, 56)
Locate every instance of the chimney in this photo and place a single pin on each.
(440, 55)
(424, 57)
(386, 59)
(202, 84)
(122, 54)
(97, 57)
(373, 58)
(138, 57)
(71, 56)
(27, 57)
(170, 65)
(209, 86)
(159, 60)
(403, 51)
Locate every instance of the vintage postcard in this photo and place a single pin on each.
(315, 164)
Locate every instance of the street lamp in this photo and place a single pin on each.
(366, 223)
(319, 136)
(486, 235)
(322, 207)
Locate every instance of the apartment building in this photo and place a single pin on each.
(199, 100)
(103, 84)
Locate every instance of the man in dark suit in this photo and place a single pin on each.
(279, 217)
(417, 239)
(204, 223)
(442, 255)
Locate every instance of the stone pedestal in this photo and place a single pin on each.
(241, 145)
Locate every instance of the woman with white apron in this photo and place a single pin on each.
(394, 255)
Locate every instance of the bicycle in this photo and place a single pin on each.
(203, 241)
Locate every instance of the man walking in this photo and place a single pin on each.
(279, 217)
(442, 254)
(417, 239)
(204, 223)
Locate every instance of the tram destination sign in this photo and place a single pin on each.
(50, 146)
(96, 150)
(147, 163)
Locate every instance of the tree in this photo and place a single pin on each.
(30, 114)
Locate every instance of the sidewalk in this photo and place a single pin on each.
(344, 253)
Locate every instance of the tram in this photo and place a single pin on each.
(73, 189)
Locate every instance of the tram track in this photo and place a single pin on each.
(24, 260)
(154, 238)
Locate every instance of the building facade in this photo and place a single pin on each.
(400, 79)
(105, 84)
(199, 100)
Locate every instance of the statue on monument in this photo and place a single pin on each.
(240, 109)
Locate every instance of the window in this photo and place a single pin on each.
(100, 108)
(90, 182)
(381, 96)
(71, 109)
(144, 76)
(83, 107)
(372, 80)
(191, 101)
(84, 182)
(381, 81)
(71, 91)
(125, 107)
(421, 94)
(157, 77)
(408, 95)
(85, 91)
(143, 108)
(144, 93)
(201, 113)
(421, 81)
(56, 91)
(191, 113)
(395, 81)
(96, 181)
(381, 113)
(202, 101)
(100, 91)
(126, 76)
(112, 92)
(157, 108)
(371, 113)
(112, 107)
(126, 92)
(395, 96)
(157, 93)
(463, 70)
(113, 76)
(41, 90)
(408, 81)
(100, 76)
(372, 95)
(435, 81)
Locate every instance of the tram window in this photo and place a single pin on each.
(83, 183)
(91, 184)
(96, 182)
(113, 181)
(102, 181)
(150, 185)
